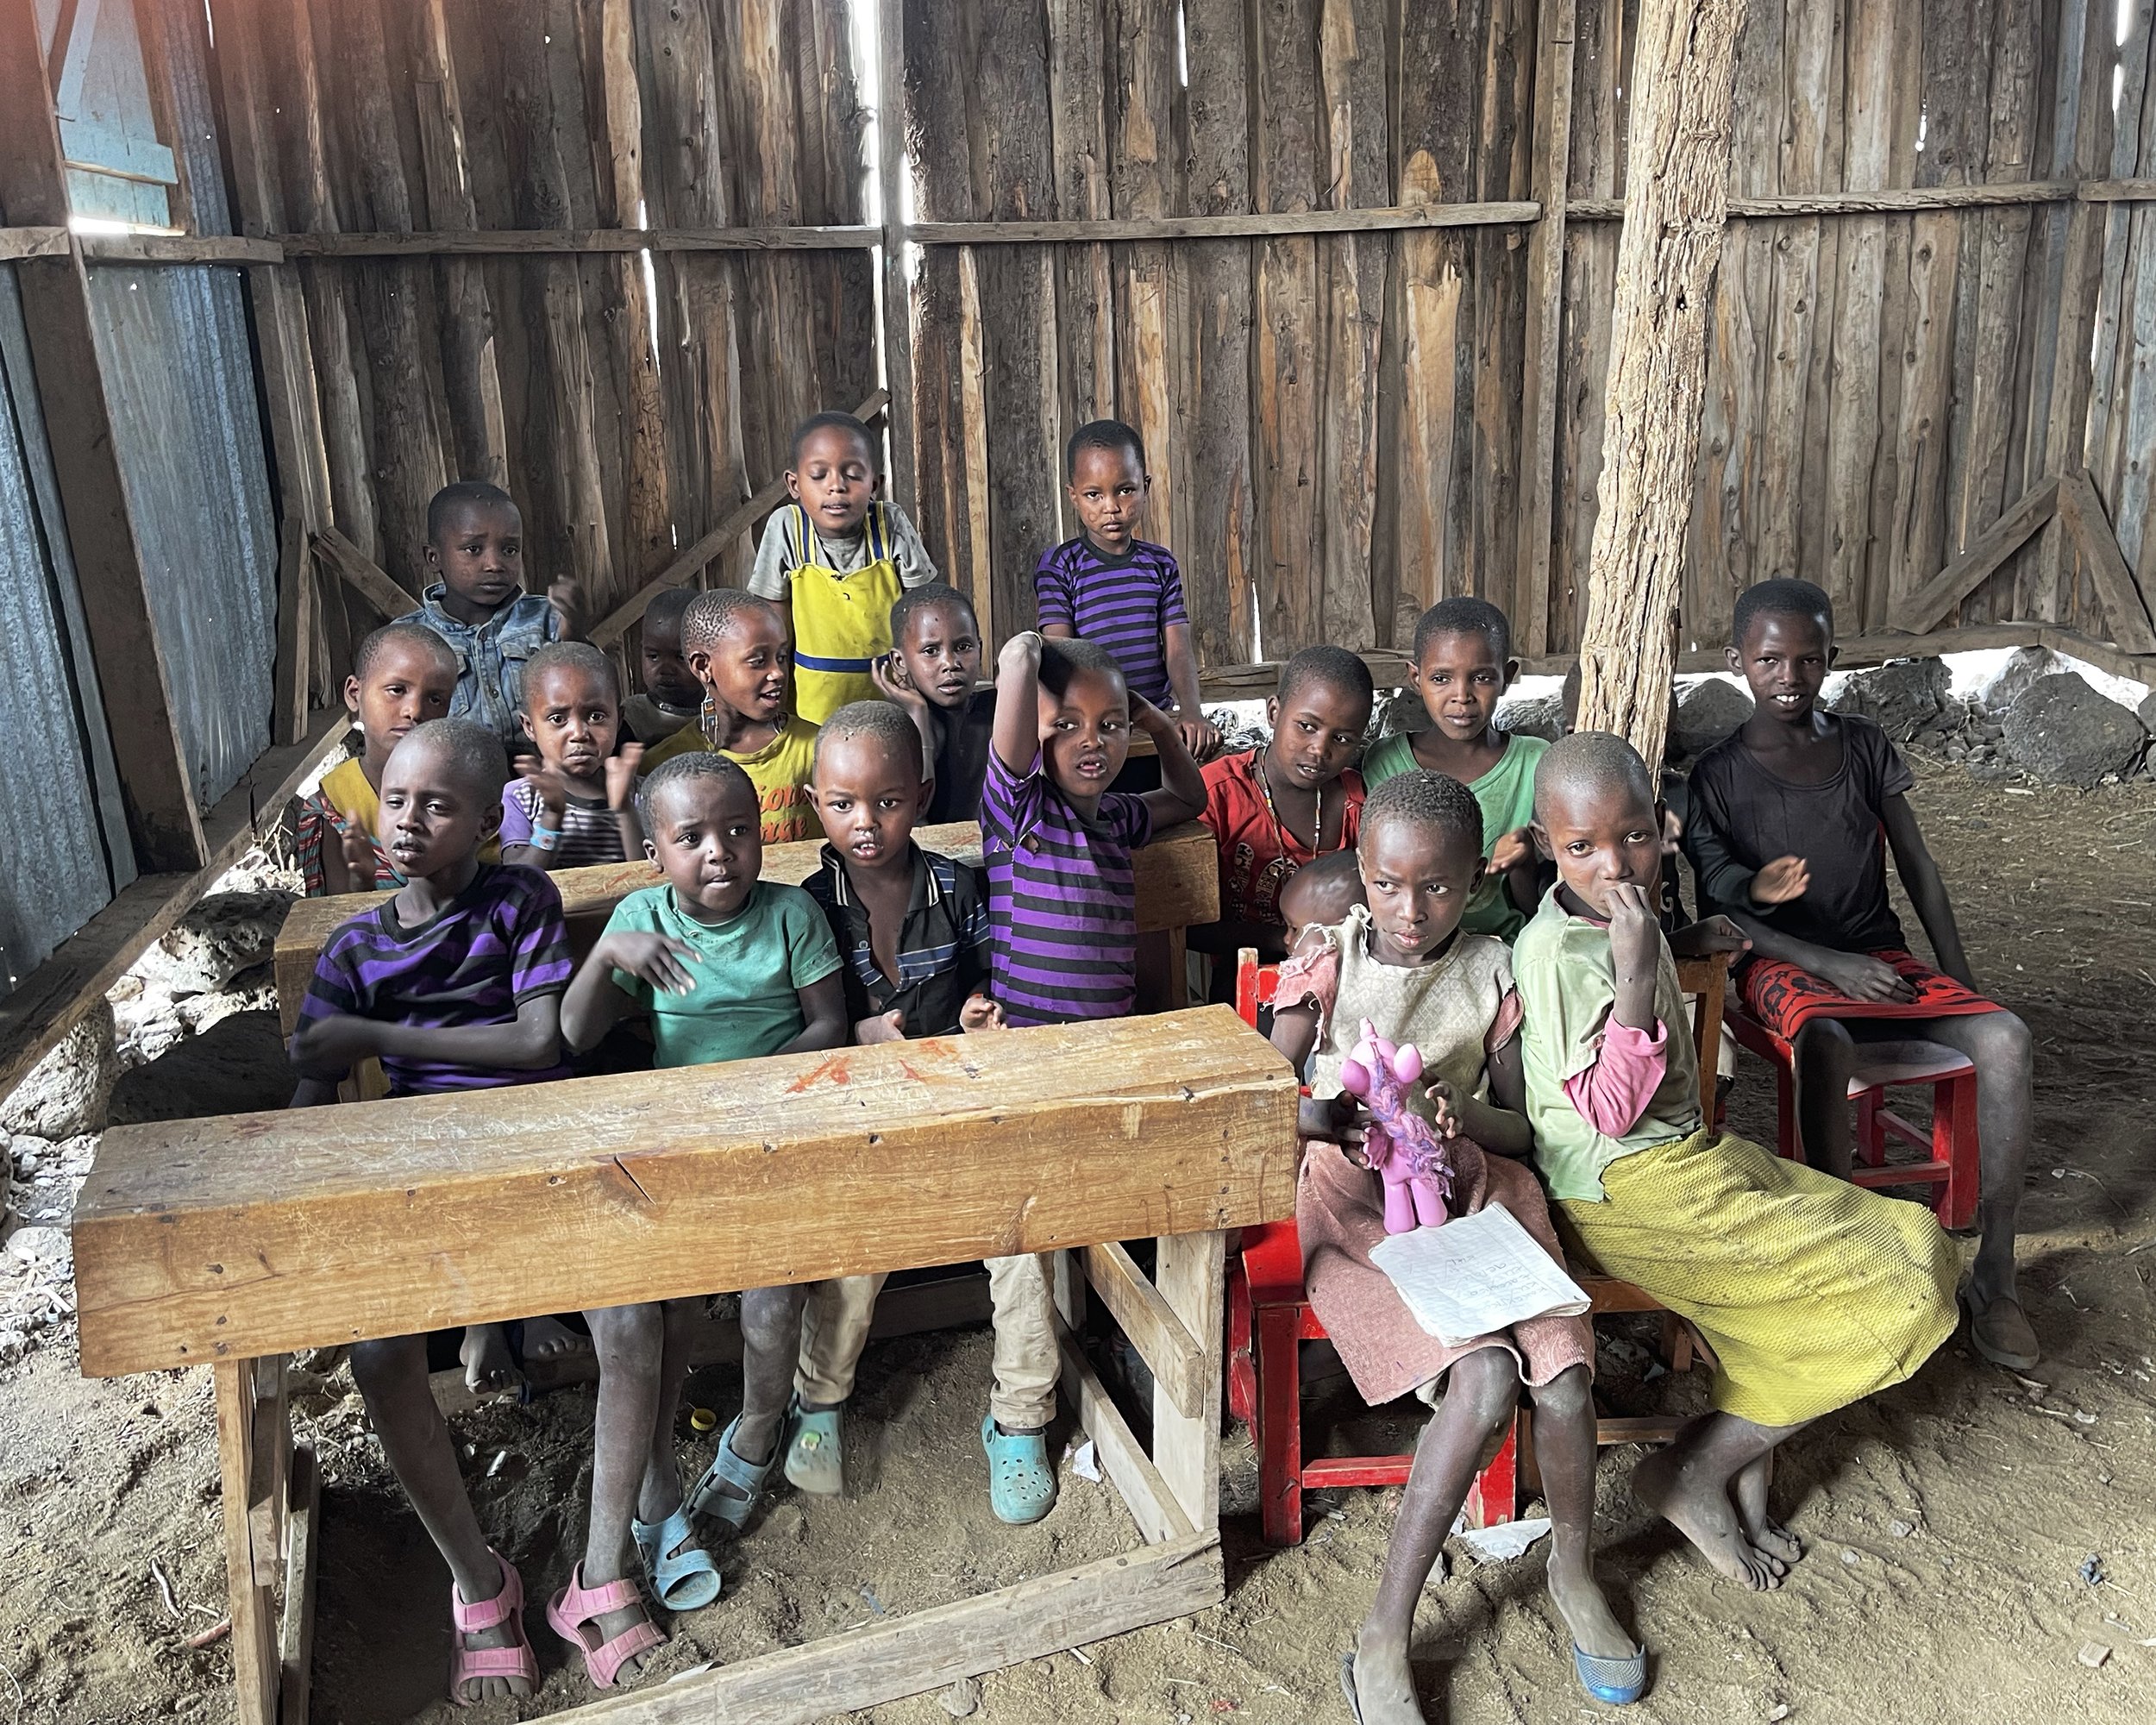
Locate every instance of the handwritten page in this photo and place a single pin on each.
(1476, 1275)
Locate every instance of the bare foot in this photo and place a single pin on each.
(1573, 1591)
(1749, 1489)
(1705, 1516)
(548, 1340)
(488, 1368)
(1384, 1685)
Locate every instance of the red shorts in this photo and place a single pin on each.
(1785, 997)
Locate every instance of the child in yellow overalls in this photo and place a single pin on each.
(837, 559)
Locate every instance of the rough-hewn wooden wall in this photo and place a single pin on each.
(1336, 420)
(1331, 419)
(624, 435)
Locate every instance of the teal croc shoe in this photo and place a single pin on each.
(1021, 1483)
(815, 1462)
(708, 1497)
(684, 1576)
(1619, 1682)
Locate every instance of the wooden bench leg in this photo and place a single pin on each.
(296, 1632)
(1190, 1271)
(255, 1663)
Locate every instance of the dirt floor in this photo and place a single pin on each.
(1950, 1524)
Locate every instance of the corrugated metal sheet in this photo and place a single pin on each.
(57, 856)
(180, 385)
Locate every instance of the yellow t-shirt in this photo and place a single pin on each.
(779, 770)
(345, 788)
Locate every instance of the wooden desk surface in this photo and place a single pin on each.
(1178, 885)
(263, 1233)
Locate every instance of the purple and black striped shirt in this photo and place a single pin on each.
(499, 942)
(1061, 898)
(1125, 603)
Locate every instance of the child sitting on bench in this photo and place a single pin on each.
(455, 985)
(1276, 810)
(1811, 1292)
(576, 807)
(1826, 796)
(727, 966)
(671, 696)
(403, 675)
(1404, 962)
(912, 929)
(931, 671)
(739, 649)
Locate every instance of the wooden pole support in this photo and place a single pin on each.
(1677, 174)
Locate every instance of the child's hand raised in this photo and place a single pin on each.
(1781, 880)
(1513, 850)
(888, 673)
(884, 1027)
(656, 959)
(567, 597)
(621, 776)
(979, 1013)
(551, 784)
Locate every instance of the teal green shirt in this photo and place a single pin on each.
(1568, 983)
(747, 973)
(1506, 793)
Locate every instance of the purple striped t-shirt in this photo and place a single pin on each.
(1125, 603)
(591, 831)
(501, 941)
(1061, 898)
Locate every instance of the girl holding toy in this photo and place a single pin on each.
(1401, 961)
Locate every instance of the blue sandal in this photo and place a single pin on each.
(1021, 1483)
(815, 1461)
(706, 1496)
(1619, 1682)
(684, 1576)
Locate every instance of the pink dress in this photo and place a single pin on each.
(1455, 1011)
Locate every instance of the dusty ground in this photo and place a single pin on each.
(1948, 1522)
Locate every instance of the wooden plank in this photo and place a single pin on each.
(543, 242)
(1176, 1361)
(295, 627)
(1190, 1271)
(1140, 90)
(1276, 224)
(1864, 201)
(271, 1233)
(925, 1650)
(51, 1001)
(2125, 603)
(269, 1452)
(296, 1629)
(692, 562)
(1080, 84)
(179, 249)
(359, 571)
(1916, 611)
(33, 243)
(891, 193)
(970, 469)
(1545, 302)
(1152, 1504)
(156, 776)
(255, 1666)
(1177, 879)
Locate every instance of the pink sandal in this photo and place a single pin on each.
(469, 1665)
(570, 1610)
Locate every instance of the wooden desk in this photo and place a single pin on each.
(234, 1241)
(1178, 884)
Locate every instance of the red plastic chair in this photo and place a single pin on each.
(1268, 1315)
(1953, 1166)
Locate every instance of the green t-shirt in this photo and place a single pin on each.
(1506, 793)
(1568, 983)
(746, 973)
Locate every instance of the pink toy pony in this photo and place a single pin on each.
(1402, 1146)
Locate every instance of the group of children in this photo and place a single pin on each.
(1496, 899)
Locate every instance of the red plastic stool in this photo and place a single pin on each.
(1954, 1165)
(1268, 1316)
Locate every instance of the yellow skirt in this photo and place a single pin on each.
(1812, 1292)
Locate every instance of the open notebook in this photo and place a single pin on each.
(1476, 1275)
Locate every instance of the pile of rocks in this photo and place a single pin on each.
(216, 962)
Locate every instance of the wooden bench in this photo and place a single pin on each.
(1178, 885)
(237, 1241)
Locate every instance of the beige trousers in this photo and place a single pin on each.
(835, 1328)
